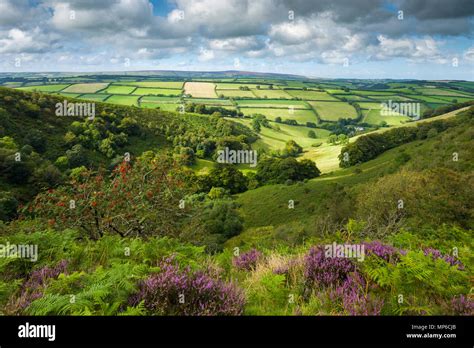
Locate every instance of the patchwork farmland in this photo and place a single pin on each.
(307, 111)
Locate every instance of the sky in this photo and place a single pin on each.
(369, 39)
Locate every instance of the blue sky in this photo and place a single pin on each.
(325, 38)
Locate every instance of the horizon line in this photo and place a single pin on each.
(222, 71)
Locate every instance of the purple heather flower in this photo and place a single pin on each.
(175, 291)
(436, 254)
(462, 305)
(247, 261)
(326, 271)
(354, 298)
(33, 287)
(384, 251)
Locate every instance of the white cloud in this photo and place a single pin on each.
(415, 50)
(334, 57)
(205, 55)
(122, 15)
(327, 31)
(292, 33)
(20, 41)
(469, 54)
(236, 44)
(224, 19)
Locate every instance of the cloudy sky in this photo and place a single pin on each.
(423, 39)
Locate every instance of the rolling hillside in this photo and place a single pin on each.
(333, 196)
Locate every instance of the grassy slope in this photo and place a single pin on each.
(268, 205)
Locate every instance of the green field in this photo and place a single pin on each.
(370, 93)
(386, 98)
(374, 117)
(276, 137)
(85, 87)
(464, 84)
(441, 92)
(451, 99)
(97, 97)
(301, 116)
(209, 101)
(160, 100)
(322, 98)
(45, 88)
(156, 84)
(235, 93)
(69, 95)
(270, 103)
(238, 85)
(296, 84)
(356, 98)
(430, 99)
(310, 95)
(12, 84)
(157, 91)
(123, 100)
(338, 91)
(112, 89)
(271, 93)
(332, 111)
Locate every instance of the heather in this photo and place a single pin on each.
(164, 276)
(248, 260)
(462, 305)
(184, 292)
(354, 296)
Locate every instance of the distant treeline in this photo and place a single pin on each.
(212, 110)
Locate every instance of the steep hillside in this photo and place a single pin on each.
(39, 149)
(433, 172)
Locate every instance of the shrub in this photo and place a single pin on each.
(62, 162)
(247, 261)
(220, 217)
(436, 254)
(37, 140)
(384, 251)
(292, 148)
(354, 297)
(325, 271)
(462, 305)
(175, 291)
(8, 205)
(77, 156)
(226, 176)
(217, 193)
(34, 286)
(16, 172)
(279, 171)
